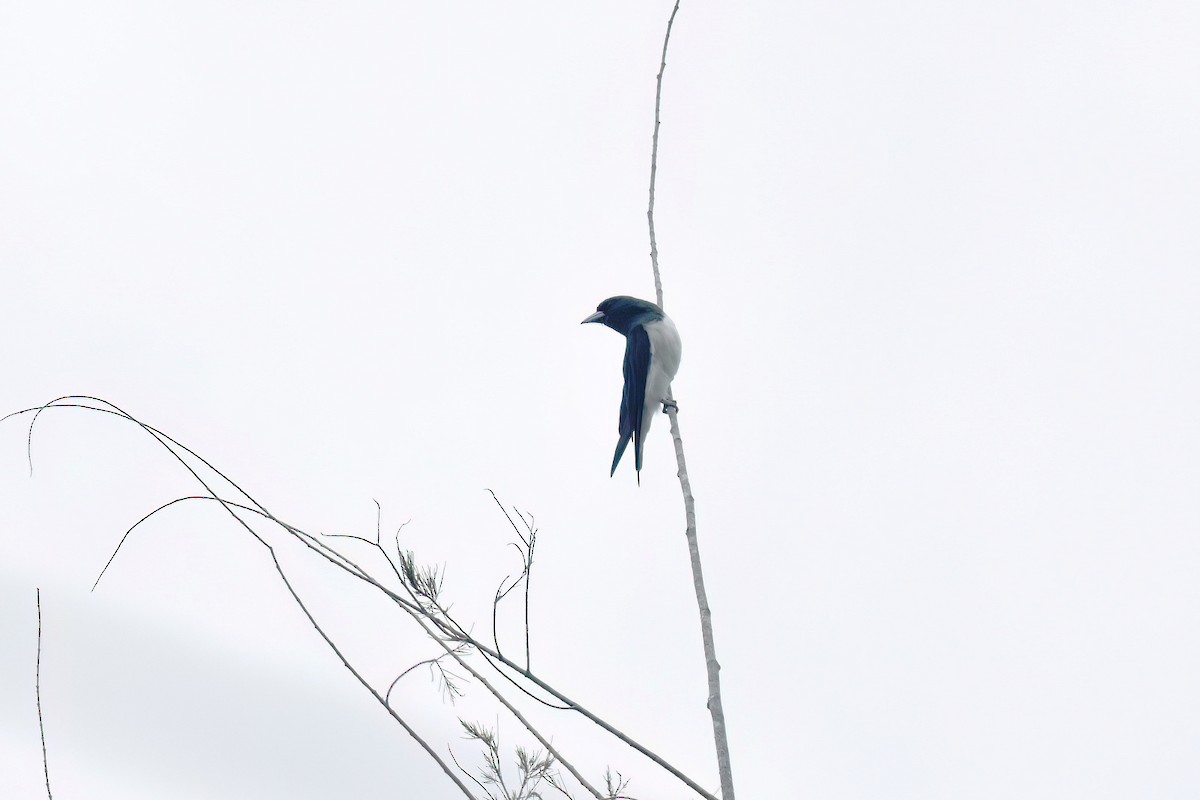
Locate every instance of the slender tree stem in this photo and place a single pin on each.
(658, 290)
(715, 709)
(38, 693)
(689, 504)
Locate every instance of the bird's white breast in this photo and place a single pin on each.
(665, 352)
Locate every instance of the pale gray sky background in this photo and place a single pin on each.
(935, 266)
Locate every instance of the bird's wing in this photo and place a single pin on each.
(636, 367)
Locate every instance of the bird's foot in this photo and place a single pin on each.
(670, 405)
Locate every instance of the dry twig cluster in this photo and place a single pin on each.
(421, 599)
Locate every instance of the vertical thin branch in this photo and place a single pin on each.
(689, 503)
(38, 693)
(528, 663)
(526, 567)
(528, 577)
(658, 291)
(706, 632)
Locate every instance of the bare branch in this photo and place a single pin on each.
(467, 772)
(710, 657)
(526, 549)
(455, 632)
(508, 705)
(530, 543)
(430, 616)
(117, 549)
(38, 693)
(345, 662)
(658, 291)
(164, 439)
(448, 687)
(362, 539)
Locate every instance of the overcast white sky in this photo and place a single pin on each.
(935, 267)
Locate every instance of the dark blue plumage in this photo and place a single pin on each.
(652, 353)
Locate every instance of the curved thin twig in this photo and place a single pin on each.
(431, 663)
(121, 543)
(229, 506)
(467, 772)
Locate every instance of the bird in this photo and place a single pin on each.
(652, 353)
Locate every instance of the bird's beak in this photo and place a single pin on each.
(597, 317)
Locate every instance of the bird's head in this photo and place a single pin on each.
(622, 313)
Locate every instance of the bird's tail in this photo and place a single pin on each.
(621, 444)
(637, 455)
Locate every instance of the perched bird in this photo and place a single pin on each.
(652, 353)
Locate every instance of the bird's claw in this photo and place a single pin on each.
(670, 405)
